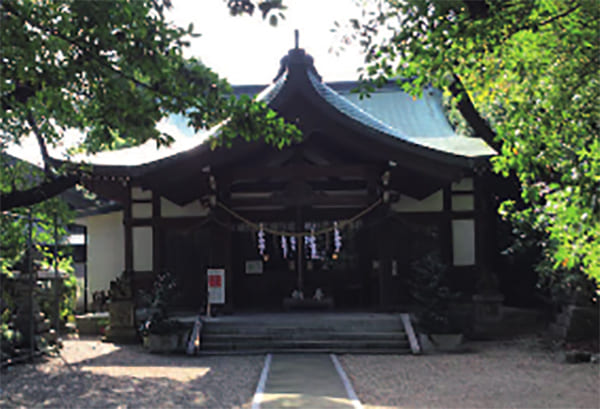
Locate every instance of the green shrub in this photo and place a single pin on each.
(429, 289)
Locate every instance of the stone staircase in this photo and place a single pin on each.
(306, 332)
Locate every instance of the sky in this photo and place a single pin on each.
(247, 50)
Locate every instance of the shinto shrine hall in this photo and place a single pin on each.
(376, 184)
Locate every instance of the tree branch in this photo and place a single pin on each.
(558, 16)
(44, 191)
(472, 116)
(42, 144)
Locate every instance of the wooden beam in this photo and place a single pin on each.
(303, 172)
(308, 214)
(345, 200)
(107, 189)
(172, 222)
(336, 184)
(183, 190)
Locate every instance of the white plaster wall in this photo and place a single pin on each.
(139, 193)
(105, 250)
(465, 184)
(141, 210)
(142, 248)
(432, 203)
(463, 202)
(463, 242)
(170, 209)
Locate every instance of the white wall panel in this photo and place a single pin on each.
(170, 209)
(432, 203)
(465, 184)
(105, 250)
(139, 193)
(142, 248)
(463, 202)
(141, 210)
(463, 242)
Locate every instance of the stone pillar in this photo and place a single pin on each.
(28, 309)
(121, 312)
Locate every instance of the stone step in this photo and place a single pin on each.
(341, 351)
(259, 328)
(320, 335)
(306, 322)
(320, 332)
(284, 345)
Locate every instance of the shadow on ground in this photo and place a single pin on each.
(129, 378)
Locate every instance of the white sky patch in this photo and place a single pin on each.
(247, 50)
(176, 127)
(29, 150)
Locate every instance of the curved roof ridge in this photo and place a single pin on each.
(270, 92)
(146, 154)
(352, 110)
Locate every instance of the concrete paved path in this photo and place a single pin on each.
(304, 381)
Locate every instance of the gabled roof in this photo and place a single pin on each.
(389, 115)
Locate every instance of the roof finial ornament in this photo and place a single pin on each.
(296, 36)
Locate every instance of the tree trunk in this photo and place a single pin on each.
(469, 112)
(37, 194)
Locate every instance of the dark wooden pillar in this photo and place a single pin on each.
(485, 216)
(127, 223)
(156, 234)
(222, 243)
(129, 272)
(446, 239)
(299, 250)
(221, 254)
(385, 248)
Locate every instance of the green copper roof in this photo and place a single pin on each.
(392, 111)
(421, 117)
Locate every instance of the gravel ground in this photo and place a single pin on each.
(104, 375)
(515, 374)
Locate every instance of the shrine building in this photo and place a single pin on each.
(375, 185)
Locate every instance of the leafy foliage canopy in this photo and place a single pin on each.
(530, 70)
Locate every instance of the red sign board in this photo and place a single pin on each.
(216, 285)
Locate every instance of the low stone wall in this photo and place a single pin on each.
(577, 323)
(94, 323)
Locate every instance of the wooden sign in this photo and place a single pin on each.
(254, 267)
(216, 285)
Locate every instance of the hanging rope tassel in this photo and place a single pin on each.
(337, 240)
(284, 247)
(261, 240)
(313, 245)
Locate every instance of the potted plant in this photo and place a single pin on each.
(159, 332)
(437, 330)
(163, 335)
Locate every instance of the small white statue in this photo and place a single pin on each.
(297, 295)
(319, 295)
